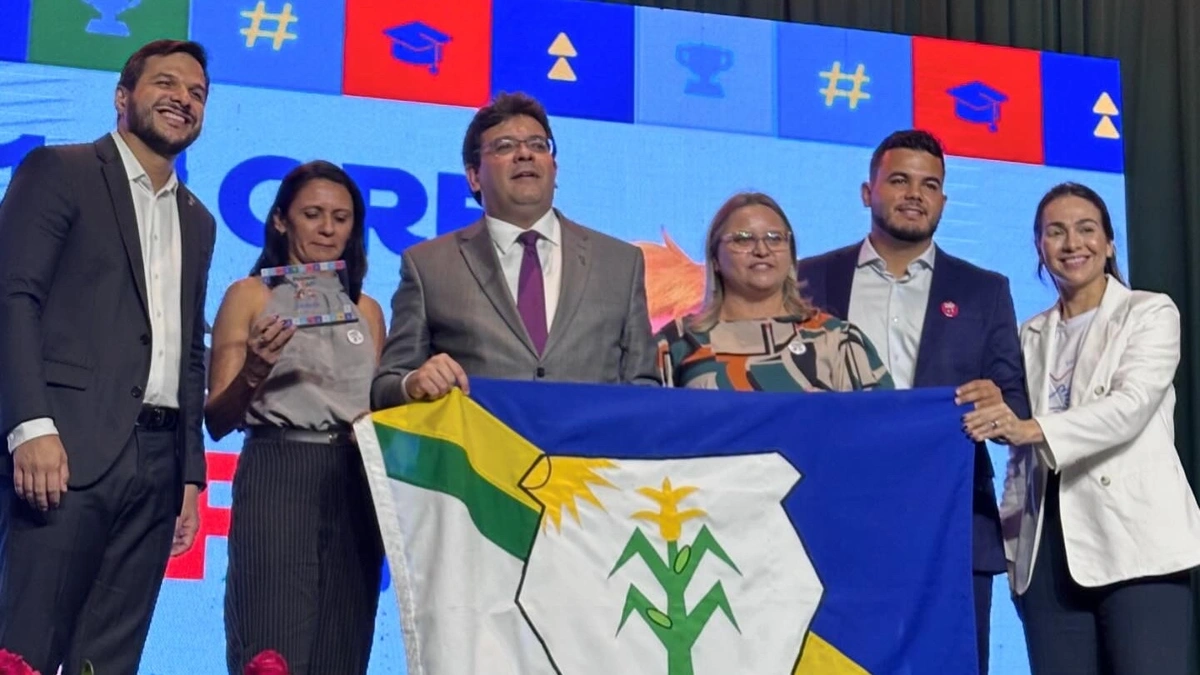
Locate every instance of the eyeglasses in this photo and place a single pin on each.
(507, 145)
(745, 242)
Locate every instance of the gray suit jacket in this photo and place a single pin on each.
(453, 299)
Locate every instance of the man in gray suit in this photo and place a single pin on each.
(523, 293)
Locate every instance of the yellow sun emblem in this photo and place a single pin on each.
(558, 482)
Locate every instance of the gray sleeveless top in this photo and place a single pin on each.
(322, 379)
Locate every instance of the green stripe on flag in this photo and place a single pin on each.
(442, 466)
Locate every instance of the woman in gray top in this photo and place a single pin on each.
(293, 352)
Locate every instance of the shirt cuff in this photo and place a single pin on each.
(404, 386)
(29, 430)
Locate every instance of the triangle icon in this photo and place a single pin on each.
(1106, 129)
(563, 73)
(562, 46)
(1105, 106)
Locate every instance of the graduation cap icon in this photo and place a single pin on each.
(978, 103)
(417, 43)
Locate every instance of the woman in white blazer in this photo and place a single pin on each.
(1101, 526)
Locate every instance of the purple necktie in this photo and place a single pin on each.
(531, 292)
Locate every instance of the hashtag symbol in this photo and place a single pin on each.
(835, 77)
(277, 36)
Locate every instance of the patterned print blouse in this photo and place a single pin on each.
(779, 355)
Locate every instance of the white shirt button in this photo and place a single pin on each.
(1105, 481)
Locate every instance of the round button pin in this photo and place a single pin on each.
(949, 309)
(797, 348)
(355, 336)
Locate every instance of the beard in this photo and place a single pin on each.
(141, 124)
(907, 233)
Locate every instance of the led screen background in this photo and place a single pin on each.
(659, 117)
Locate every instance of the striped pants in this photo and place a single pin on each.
(305, 558)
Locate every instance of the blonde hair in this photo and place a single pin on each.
(710, 314)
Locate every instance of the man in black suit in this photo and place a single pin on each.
(936, 320)
(104, 261)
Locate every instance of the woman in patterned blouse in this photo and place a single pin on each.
(755, 332)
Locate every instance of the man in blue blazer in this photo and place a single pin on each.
(935, 319)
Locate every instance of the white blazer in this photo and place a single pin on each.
(1127, 509)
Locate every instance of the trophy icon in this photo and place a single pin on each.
(108, 23)
(705, 62)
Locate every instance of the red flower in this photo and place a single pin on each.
(13, 664)
(268, 662)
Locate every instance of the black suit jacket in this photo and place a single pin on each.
(979, 341)
(75, 342)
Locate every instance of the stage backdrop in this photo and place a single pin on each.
(659, 116)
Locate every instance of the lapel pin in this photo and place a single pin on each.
(355, 336)
(949, 309)
(797, 348)
(191, 200)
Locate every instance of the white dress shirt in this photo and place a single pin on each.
(890, 310)
(504, 237)
(162, 254)
(511, 252)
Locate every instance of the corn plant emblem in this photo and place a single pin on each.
(675, 627)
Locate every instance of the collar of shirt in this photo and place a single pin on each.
(504, 234)
(867, 255)
(137, 174)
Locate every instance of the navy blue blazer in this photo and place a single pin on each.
(973, 338)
